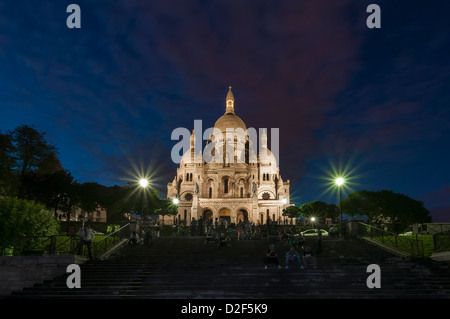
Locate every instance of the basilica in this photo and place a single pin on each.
(235, 189)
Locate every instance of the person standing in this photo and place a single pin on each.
(87, 236)
(319, 240)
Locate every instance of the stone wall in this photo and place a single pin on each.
(18, 272)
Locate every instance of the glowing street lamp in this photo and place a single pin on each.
(339, 182)
(143, 182)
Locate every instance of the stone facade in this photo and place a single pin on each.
(238, 189)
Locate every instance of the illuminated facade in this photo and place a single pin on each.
(234, 190)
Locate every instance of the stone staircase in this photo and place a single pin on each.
(180, 268)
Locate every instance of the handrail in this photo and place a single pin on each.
(409, 245)
(105, 243)
(120, 229)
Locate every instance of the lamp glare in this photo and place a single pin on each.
(339, 181)
(143, 182)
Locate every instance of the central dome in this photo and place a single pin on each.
(231, 121)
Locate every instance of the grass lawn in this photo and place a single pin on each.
(404, 243)
(63, 243)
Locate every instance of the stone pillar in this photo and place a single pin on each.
(255, 215)
(194, 208)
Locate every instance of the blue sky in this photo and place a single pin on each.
(343, 96)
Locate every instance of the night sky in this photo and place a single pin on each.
(370, 103)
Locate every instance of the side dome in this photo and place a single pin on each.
(267, 158)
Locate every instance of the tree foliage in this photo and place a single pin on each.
(384, 203)
(319, 209)
(291, 211)
(30, 149)
(20, 217)
(6, 163)
(54, 190)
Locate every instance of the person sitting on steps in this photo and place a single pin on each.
(292, 256)
(271, 257)
(309, 258)
(209, 237)
(224, 241)
(134, 238)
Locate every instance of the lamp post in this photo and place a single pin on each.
(339, 182)
(284, 201)
(176, 201)
(143, 183)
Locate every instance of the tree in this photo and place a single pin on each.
(6, 163)
(319, 209)
(166, 208)
(401, 207)
(384, 203)
(54, 190)
(88, 196)
(361, 203)
(115, 200)
(30, 149)
(20, 217)
(291, 212)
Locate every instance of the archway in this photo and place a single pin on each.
(242, 216)
(207, 215)
(225, 214)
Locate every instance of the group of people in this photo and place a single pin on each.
(222, 238)
(292, 257)
(145, 238)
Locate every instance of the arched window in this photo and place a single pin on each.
(242, 192)
(225, 185)
(210, 192)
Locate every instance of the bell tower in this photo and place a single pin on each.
(229, 102)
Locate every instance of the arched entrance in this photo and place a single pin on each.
(207, 215)
(225, 214)
(242, 215)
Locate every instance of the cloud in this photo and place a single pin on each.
(138, 69)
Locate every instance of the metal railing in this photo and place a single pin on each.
(441, 242)
(62, 244)
(102, 245)
(408, 245)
